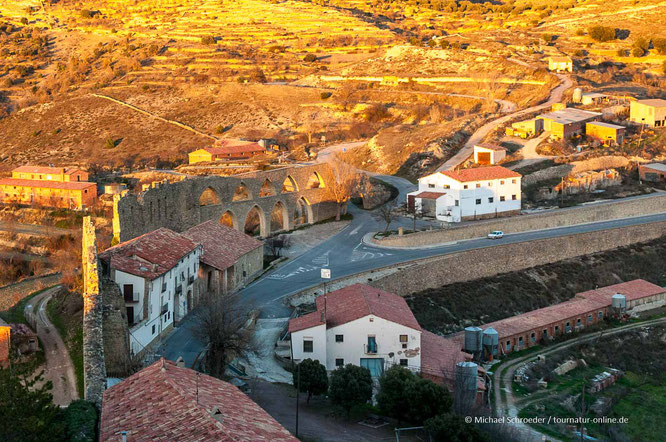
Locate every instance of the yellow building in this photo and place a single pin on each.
(59, 174)
(605, 132)
(560, 64)
(67, 195)
(650, 112)
(200, 156)
(226, 149)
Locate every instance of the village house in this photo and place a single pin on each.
(226, 150)
(371, 328)
(230, 258)
(166, 401)
(468, 194)
(486, 153)
(560, 63)
(59, 187)
(649, 112)
(563, 124)
(584, 310)
(652, 172)
(525, 129)
(5, 343)
(156, 274)
(605, 132)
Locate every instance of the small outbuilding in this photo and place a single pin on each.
(486, 153)
(605, 132)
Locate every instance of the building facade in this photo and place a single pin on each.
(560, 64)
(156, 274)
(487, 154)
(226, 150)
(565, 123)
(468, 194)
(649, 112)
(605, 132)
(652, 172)
(59, 174)
(64, 195)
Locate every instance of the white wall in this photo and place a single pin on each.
(318, 336)
(467, 197)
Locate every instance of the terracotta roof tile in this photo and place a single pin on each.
(481, 174)
(226, 146)
(164, 402)
(45, 169)
(149, 255)
(490, 146)
(44, 184)
(439, 356)
(356, 301)
(222, 245)
(429, 195)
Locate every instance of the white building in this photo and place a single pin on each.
(467, 194)
(560, 63)
(156, 273)
(486, 153)
(371, 328)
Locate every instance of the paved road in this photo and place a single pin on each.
(59, 368)
(480, 134)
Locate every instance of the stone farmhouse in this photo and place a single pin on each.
(166, 401)
(649, 112)
(59, 187)
(560, 64)
(371, 328)
(468, 194)
(226, 150)
(652, 172)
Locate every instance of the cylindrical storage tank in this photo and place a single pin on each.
(577, 95)
(467, 376)
(473, 339)
(491, 341)
(619, 301)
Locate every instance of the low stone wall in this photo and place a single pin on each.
(479, 263)
(12, 294)
(648, 205)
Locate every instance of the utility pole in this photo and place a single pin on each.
(562, 193)
(298, 389)
(582, 412)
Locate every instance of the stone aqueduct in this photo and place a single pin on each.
(270, 201)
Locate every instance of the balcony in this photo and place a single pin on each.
(370, 348)
(190, 279)
(165, 309)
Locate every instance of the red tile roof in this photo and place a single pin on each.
(223, 147)
(222, 245)
(354, 302)
(306, 321)
(164, 402)
(43, 184)
(582, 303)
(481, 174)
(149, 255)
(429, 195)
(490, 146)
(44, 169)
(439, 356)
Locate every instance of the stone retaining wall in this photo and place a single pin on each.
(647, 205)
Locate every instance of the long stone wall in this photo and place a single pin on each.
(294, 195)
(115, 331)
(479, 263)
(647, 205)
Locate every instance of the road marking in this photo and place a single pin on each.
(322, 260)
(298, 271)
(355, 231)
(362, 253)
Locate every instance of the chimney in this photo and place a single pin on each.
(216, 414)
(154, 267)
(180, 362)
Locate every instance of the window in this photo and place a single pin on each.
(339, 338)
(403, 340)
(403, 362)
(431, 185)
(491, 199)
(513, 181)
(533, 337)
(446, 186)
(307, 346)
(502, 198)
(601, 315)
(545, 333)
(507, 347)
(557, 329)
(501, 182)
(589, 318)
(520, 341)
(478, 201)
(465, 186)
(490, 184)
(578, 321)
(128, 292)
(457, 203)
(513, 197)
(372, 345)
(153, 328)
(339, 362)
(478, 185)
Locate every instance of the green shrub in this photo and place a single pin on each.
(110, 143)
(313, 378)
(310, 58)
(548, 38)
(325, 95)
(81, 421)
(208, 40)
(637, 52)
(660, 45)
(621, 52)
(451, 427)
(602, 33)
(350, 386)
(87, 13)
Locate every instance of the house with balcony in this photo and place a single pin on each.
(372, 328)
(156, 274)
(467, 194)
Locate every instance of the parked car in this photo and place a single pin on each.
(496, 234)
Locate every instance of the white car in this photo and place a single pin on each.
(496, 234)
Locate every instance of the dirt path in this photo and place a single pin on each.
(530, 154)
(480, 134)
(33, 229)
(59, 368)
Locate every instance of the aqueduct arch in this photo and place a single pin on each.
(255, 222)
(301, 199)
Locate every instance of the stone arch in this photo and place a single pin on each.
(315, 181)
(267, 189)
(209, 197)
(279, 217)
(303, 212)
(255, 222)
(242, 193)
(229, 219)
(289, 185)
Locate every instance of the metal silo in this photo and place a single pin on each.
(473, 339)
(577, 96)
(490, 342)
(467, 376)
(619, 302)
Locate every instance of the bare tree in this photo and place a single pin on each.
(347, 183)
(276, 244)
(344, 94)
(387, 213)
(223, 324)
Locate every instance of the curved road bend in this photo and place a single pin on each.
(507, 407)
(59, 368)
